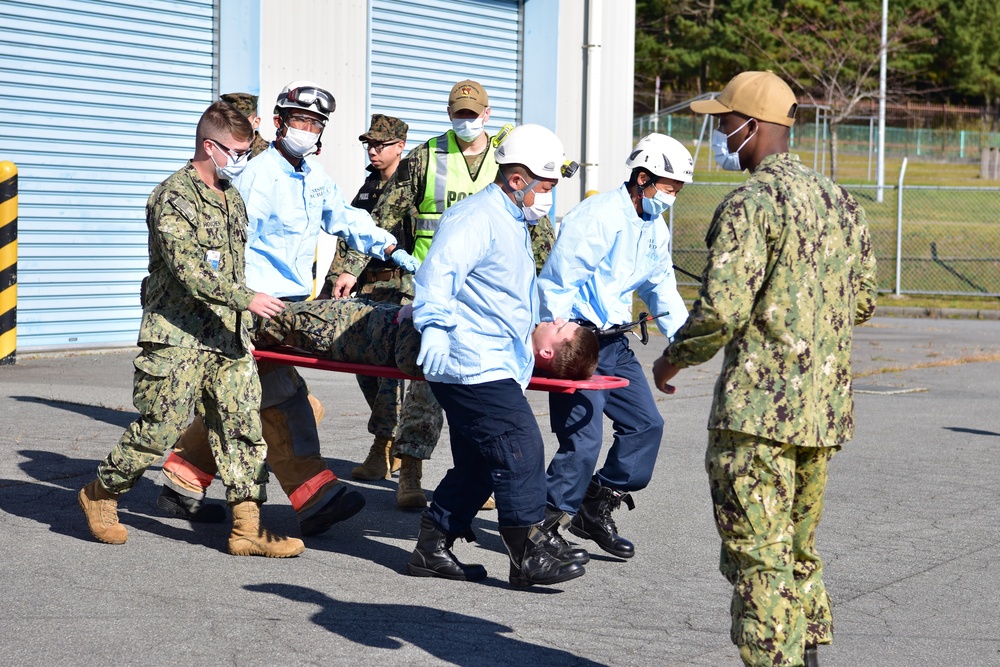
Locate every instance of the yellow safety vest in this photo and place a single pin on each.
(448, 182)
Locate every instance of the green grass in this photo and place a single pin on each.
(951, 237)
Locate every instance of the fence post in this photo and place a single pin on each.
(8, 263)
(899, 225)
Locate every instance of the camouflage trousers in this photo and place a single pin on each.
(768, 501)
(366, 332)
(171, 381)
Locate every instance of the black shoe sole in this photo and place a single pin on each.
(209, 513)
(473, 575)
(340, 508)
(523, 582)
(579, 532)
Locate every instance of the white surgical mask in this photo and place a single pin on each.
(299, 143)
(232, 168)
(541, 207)
(656, 205)
(468, 130)
(720, 148)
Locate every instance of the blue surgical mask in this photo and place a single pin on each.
(468, 130)
(232, 168)
(720, 148)
(656, 205)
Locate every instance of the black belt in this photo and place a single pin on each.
(381, 275)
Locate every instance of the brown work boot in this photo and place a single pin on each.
(101, 510)
(249, 538)
(409, 495)
(379, 464)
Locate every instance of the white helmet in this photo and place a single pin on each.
(662, 156)
(535, 147)
(306, 95)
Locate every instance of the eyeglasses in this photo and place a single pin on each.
(378, 148)
(309, 96)
(230, 152)
(309, 121)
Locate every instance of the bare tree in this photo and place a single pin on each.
(831, 53)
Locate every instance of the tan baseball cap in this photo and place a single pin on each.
(468, 94)
(760, 95)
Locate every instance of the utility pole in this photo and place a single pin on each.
(880, 165)
(656, 106)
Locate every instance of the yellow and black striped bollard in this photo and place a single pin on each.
(8, 263)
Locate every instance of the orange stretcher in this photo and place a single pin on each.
(290, 356)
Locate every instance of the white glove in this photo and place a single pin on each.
(434, 347)
(405, 260)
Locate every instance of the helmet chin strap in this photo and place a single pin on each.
(519, 194)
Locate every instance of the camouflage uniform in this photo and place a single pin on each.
(194, 339)
(352, 330)
(420, 417)
(246, 104)
(790, 272)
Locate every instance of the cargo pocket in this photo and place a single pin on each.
(161, 387)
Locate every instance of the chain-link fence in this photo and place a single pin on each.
(930, 240)
(858, 136)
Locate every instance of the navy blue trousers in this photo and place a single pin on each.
(496, 448)
(578, 424)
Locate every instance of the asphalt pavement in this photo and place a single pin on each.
(909, 537)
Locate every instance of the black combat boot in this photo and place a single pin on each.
(554, 520)
(433, 557)
(531, 559)
(811, 656)
(192, 509)
(594, 522)
(344, 504)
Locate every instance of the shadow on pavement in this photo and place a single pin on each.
(454, 638)
(52, 501)
(970, 431)
(118, 418)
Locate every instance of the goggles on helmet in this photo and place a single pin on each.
(308, 96)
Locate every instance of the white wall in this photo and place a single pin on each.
(617, 71)
(326, 42)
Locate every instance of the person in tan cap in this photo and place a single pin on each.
(246, 104)
(384, 142)
(790, 270)
(439, 173)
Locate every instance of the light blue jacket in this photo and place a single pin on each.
(603, 253)
(287, 209)
(478, 283)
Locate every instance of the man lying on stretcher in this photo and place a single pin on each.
(382, 334)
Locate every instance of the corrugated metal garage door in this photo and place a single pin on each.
(100, 101)
(421, 48)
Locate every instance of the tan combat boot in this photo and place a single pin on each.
(249, 538)
(409, 495)
(101, 510)
(318, 410)
(379, 464)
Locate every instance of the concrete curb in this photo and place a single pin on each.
(934, 313)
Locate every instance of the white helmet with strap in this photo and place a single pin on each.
(535, 147)
(662, 156)
(306, 95)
